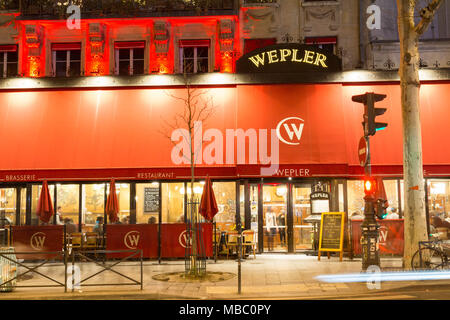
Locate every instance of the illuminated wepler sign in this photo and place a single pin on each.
(288, 58)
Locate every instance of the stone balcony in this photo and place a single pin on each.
(54, 9)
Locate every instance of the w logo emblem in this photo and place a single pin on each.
(184, 241)
(290, 130)
(37, 241)
(131, 239)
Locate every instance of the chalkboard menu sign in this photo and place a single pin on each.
(331, 232)
(151, 199)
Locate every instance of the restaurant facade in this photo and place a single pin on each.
(283, 148)
(278, 136)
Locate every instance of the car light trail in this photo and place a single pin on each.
(386, 276)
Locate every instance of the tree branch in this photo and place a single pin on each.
(427, 15)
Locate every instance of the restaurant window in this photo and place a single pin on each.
(8, 206)
(225, 193)
(172, 202)
(8, 61)
(129, 57)
(35, 193)
(23, 206)
(148, 202)
(439, 198)
(123, 198)
(253, 44)
(68, 202)
(92, 204)
(66, 59)
(391, 188)
(326, 43)
(194, 56)
(355, 198)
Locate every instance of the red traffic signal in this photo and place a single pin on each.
(370, 186)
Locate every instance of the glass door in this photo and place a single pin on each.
(303, 231)
(274, 217)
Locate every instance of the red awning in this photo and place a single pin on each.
(8, 48)
(194, 43)
(66, 46)
(129, 44)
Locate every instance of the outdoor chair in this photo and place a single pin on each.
(249, 241)
(91, 241)
(232, 242)
(75, 240)
(216, 240)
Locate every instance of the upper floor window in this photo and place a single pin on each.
(325, 43)
(66, 59)
(129, 57)
(194, 56)
(8, 61)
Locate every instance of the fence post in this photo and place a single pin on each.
(73, 270)
(142, 274)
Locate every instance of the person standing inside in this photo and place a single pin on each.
(58, 216)
(281, 222)
(271, 228)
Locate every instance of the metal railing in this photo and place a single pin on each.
(9, 5)
(50, 8)
(259, 1)
(34, 269)
(70, 259)
(85, 255)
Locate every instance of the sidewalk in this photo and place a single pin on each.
(268, 276)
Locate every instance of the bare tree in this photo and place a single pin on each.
(197, 108)
(409, 33)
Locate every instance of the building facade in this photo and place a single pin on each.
(82, 104)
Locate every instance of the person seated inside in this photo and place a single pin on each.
(98, 226)
(438, 221)
(70, 226)
(392, 214)
(151, 220)
(356, 216)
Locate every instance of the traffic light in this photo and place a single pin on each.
(370, 186)
(370, 112)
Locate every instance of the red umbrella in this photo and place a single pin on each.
(112, 204)
(45, 205)
(208, 205)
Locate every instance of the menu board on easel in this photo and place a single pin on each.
(332, 233)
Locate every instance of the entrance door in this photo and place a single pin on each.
(303, 231)
(274, 217)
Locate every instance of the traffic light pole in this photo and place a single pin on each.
(369, 227)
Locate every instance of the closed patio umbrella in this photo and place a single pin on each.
(381, 193)
(112, 203)
(208, 205)
(45, 206)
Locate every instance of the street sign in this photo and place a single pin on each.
(362, 151)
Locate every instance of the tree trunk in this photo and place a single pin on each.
(415, 226)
